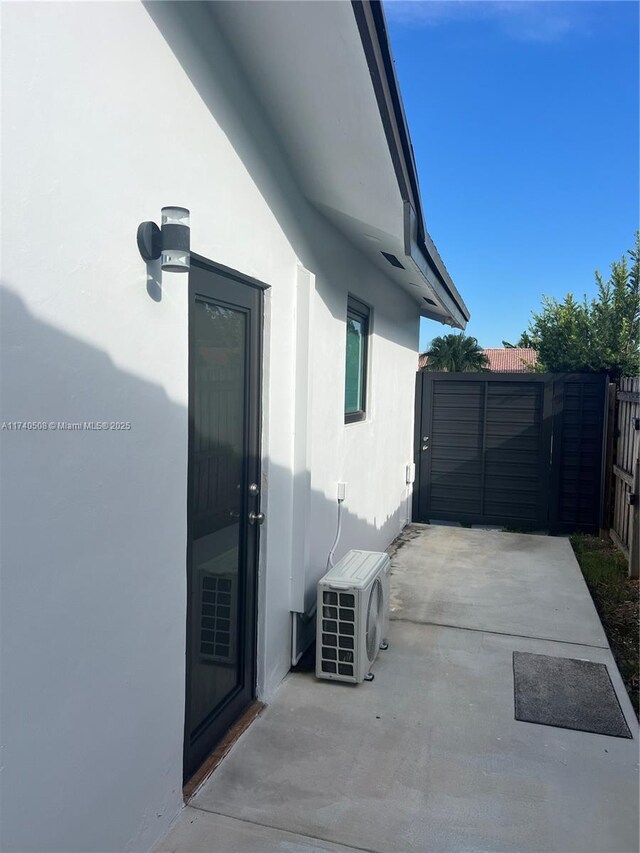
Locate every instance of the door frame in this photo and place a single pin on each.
(227, 714)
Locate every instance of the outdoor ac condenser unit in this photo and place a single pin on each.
(352, 616)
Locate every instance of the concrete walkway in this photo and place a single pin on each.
(429, 757)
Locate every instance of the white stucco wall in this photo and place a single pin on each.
(98, 133)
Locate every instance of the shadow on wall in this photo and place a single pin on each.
(94, 595)
(194, 37)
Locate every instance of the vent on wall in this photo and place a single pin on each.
(392, 260)
(430, 301)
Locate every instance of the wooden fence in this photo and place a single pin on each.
(622, 485)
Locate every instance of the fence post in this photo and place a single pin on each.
(634, 543)
(608, 460)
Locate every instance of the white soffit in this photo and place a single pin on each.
(306, 64)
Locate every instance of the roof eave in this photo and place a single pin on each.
(419, 246)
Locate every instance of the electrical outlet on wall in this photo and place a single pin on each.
(342, 491)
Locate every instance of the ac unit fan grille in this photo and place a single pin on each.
(338, 632)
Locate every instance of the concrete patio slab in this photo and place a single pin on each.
(203, 832)
(513, 583)
(429, 756)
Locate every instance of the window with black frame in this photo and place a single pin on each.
(355, 391)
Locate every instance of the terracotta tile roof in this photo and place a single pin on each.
(502, 359)
(511, 359)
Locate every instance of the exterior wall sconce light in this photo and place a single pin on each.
(171, 242)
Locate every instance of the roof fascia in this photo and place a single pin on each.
(419, 246)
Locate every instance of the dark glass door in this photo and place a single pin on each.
(224, 478)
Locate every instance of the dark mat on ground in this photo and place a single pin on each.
(566, 693)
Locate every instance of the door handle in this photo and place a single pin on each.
(256, 517)
(425, 446)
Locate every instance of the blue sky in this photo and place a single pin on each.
(524, 120)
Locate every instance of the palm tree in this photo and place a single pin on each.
(455, 354)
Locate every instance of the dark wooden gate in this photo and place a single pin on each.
(510, 449)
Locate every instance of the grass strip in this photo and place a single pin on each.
(615, 596)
